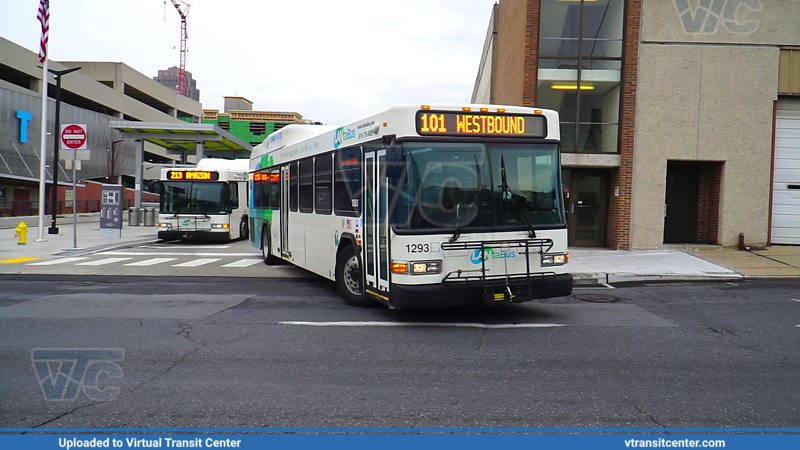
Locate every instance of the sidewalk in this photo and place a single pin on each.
(588, 266)
(89, 237)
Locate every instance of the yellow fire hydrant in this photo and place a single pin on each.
(22, 233)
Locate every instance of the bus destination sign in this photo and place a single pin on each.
(193, 175)
(435, 123)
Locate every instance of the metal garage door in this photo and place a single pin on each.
(786, 182)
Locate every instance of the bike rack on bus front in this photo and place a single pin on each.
(503, 281)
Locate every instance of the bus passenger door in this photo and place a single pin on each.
(284, 211)
(376, 231)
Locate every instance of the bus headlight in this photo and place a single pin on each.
(417, 267)
(219, 226)
(164, 225)
(554, 259)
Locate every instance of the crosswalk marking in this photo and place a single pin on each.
(113, 253)
(243, 263)
(151, 262)
(196, 262)
(102, 262)
(57, 261)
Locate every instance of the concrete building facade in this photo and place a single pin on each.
(680, 119)
(96, 94)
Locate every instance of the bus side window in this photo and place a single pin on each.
(293, 186)
(322, 184)
(307, 185)
(234, 194)
(275, 188)
(347, 182)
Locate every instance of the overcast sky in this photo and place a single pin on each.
(330, 60)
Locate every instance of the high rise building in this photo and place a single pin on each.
(170, 77)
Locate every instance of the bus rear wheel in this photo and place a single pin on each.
(349, 279)
(266, 245)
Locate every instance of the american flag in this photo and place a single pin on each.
(44, 18)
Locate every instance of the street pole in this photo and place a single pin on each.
(74, 207)
(56, 144)
(43, 154)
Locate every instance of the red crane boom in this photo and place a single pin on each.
(184, 38)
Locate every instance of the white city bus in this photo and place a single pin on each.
(418, 205)
(205, 203)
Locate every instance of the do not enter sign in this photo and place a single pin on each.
(73, 137)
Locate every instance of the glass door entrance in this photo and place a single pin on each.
(586, 206)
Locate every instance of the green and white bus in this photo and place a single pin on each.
(418, 205)
(203, 203)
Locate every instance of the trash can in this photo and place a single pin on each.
(133, 217)
(149, 217)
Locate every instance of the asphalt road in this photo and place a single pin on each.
(223, 352)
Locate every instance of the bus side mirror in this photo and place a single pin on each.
(394, 157)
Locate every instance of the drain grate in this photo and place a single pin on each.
(596, 298)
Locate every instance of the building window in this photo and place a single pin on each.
(2, 196)
(225, 125)
(307, 185)
(258, 128)
(323, 171)
(579, 71)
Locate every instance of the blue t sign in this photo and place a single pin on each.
(24, 118)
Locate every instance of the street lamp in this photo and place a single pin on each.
(57, 74)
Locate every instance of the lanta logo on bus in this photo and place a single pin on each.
(341, 135)
(489, 253)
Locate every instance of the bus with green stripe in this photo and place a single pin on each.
(418, 206)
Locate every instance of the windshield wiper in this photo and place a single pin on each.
(481, 187)
(505, 188)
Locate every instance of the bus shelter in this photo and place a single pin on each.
(199, 139)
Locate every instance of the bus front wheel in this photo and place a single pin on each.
(244, 232)
(266, 245)
(349, 279)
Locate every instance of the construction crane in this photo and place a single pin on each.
(184, 13)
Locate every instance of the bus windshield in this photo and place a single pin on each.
(185, 197)
(477, 186)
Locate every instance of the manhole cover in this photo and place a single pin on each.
(596, 298)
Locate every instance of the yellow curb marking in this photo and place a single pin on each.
(18, 260)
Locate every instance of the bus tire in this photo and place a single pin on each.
(266, 245)
(349, 278)
(244, 231)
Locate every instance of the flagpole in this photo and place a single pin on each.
(43, 153)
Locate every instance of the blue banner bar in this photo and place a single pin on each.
(392, 440)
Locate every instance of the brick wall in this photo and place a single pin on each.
(530, 74)
(619, 208)
(710, 184)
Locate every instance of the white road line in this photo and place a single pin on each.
(243, 263)
(196, 247)
(423, 324)
(151, 262)
(196, 262)
(102, 262)
(797, 300)
(56, 261)
(254, 254)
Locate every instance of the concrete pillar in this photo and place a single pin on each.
(137, 202)
(200, 151)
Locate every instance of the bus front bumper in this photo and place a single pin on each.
(476, 293)
(199, 236)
